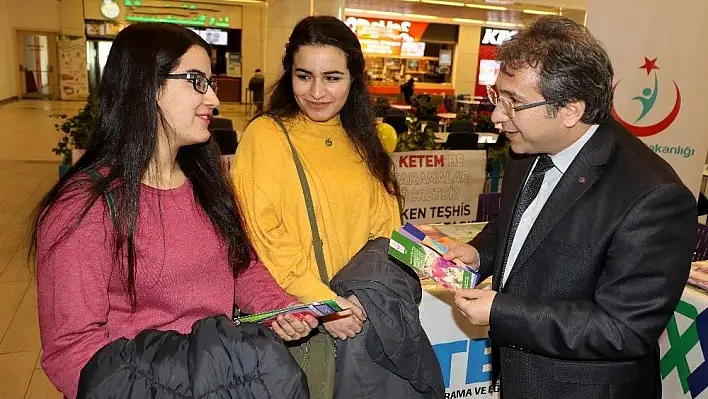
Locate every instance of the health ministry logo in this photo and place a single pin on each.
(647, 99)
(680, 346)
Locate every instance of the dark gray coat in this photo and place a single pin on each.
(392, 357)
(217, 360)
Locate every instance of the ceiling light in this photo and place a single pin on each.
(486, 7)
(420, 16)
(503, 23)
(539, 12)
(386, 13)
(443, 3)
(468, 21)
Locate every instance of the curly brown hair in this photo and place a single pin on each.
(572, 65)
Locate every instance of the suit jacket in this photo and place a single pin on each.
(598, 277)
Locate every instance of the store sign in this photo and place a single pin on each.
(496, 36)
(187, 14)
(388, 37)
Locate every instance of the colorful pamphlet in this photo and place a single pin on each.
(428, 263)
(314, 309)
(422, 238)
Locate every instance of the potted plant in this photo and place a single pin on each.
(485, 124)
(424, 108)
(77, 131)
(417, 141)
(381, 105)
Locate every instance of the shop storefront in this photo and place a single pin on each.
(398, 50)
(219, 25)
(488, 67)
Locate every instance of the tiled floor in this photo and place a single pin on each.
(28, 169)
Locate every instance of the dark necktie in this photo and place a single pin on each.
(528, 194)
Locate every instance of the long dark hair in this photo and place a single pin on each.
(125, 142)
(358, 115)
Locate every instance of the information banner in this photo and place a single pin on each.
(659, 87)
(440, 186)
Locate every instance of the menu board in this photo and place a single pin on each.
(412, 49)
(73, 76)
(233, 64)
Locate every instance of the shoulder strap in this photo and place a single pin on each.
(316, 240)
(108, 195)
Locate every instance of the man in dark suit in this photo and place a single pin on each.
(592, 246)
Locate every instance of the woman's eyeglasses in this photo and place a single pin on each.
(200, 82)
(507, 107)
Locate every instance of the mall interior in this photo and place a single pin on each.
(52, 53)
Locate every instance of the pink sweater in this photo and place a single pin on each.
(182, 276)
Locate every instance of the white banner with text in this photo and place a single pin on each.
(440, 186)
(660, 81)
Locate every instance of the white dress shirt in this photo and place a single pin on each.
(561, 162)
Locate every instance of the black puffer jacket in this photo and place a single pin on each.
(216, 360)
(392, 358)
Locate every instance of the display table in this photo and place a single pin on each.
(463, 349)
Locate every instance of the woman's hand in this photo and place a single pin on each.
(291, 328)
(348, 323)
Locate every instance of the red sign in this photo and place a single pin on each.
(386, 37)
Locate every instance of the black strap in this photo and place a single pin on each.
(316, 240)
(108, 196)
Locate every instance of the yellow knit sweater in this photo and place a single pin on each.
(350, 205)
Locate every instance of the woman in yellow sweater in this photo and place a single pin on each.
(323, 100)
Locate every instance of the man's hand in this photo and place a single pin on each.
(464, 252)
(348, 323)
(475, 304)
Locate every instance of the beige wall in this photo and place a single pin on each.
(252, 44)
(42, 15)
(465, 63)
(71, 14)
(33, 15)
(8, 74)
(282, 15)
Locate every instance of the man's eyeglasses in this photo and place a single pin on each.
(507, 106)
(200, 82)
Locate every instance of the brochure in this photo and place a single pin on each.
(699, 275)
(428, 263)
(314, 309)
(463, 232)
(419, 236)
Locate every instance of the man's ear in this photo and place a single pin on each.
(572, 113)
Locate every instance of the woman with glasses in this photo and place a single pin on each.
(144, 231)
